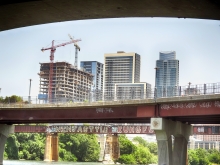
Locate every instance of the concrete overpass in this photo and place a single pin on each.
(22, 13)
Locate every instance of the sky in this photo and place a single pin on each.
(196, 42)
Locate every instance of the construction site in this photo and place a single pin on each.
(62, 81)
(68, 84)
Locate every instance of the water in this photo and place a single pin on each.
(25, 162)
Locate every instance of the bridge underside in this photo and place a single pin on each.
(189, 119)
(24, 13)
(125, 114)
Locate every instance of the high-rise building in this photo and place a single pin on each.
(120, 67)
(68, 84)
(130, 91)
(167, 75)
(96, 69)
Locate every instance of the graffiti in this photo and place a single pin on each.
(104, 110)
(190, 105)
(205, 105)
(217, 104)
(100, 129)
(178, 105)
(165, 106)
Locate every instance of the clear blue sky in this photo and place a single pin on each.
(196, 42)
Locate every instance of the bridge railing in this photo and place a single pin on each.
(158, 94)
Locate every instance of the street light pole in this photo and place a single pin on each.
(29, 98)
(189, 88)
(155, 88)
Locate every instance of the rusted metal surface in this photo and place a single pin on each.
(30, 129)
(199, 108)
(102, 129)
(191, 112)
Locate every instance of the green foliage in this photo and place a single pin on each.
(143, 155)
(214, 156)
(32, 146)
(198, 157)
(132, 154)
(127, 159)
(141, 141)
(11, 99)
(1, 99)
(11, 148)
(84, 147)
(151, 146)
(126, 146)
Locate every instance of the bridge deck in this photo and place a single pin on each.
(193, 110)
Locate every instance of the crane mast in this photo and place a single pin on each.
(76, 52)
(52, 51)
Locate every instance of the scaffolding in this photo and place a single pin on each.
(68, 83)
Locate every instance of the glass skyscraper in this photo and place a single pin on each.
(167, 75)
(96, 69)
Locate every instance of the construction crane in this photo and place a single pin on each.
(52, 51)
(76, 52)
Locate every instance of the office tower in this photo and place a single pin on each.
(167, 75)
(69, 83)
(130, 91)
(96, 69)
(120, 67)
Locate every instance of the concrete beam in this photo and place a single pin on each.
(164, 129)
(5, 130)
(23, 13)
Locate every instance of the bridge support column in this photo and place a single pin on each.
(112, 150)
(51, 148)
(164, 129)
(5, 130)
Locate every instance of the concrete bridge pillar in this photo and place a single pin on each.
(51, 152)
(164, 129)
(5, 130)
(112, 150)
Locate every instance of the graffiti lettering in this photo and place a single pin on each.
(104, 110)
(100, 129)
(217, 104)
(205, 105)
(165, 106)
(190, 105)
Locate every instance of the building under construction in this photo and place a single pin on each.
(68, 83)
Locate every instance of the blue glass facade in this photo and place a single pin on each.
(96, 68)
(167, 74)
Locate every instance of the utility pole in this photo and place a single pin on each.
(29, 97)
(155, 88)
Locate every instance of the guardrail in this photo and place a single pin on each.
(114, 102)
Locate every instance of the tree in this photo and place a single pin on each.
(151, 146)
(84, 147)
(11, 99)
(126, 146)
(141, 141)
(127, 159)
(143, 156)
(214, 156)
(32, 145)
(12, 147)
(198, 157)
